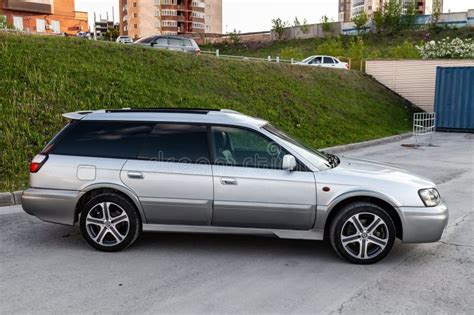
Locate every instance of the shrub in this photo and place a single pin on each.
(234, 37)
(360, 21)
(405, 51)
(447, 48)
(331, 46)
(291, 53)
(327, 24)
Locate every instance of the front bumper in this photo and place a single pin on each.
(51, 205)
(424, 224)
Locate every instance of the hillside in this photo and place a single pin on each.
(42, 77)
(401, 45)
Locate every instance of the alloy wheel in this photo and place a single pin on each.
(364, 235)
(107, 224)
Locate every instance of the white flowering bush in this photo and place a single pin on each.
(447, 48)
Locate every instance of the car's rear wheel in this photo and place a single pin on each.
(362, 233)
(109, 222)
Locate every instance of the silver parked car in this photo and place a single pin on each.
(175, 43)
(121, 172)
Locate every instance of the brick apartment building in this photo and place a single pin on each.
(350, 8)
(140, 18)
(44, 16)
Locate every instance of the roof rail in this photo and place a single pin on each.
(163, 110)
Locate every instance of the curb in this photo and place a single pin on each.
(14, 198)
(365, 144)
(10, 199)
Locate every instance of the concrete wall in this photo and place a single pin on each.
(415, 80)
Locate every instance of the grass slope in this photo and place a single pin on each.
(42, 77)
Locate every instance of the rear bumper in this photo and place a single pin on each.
(424, 224)
(51, 205)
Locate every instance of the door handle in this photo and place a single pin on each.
(228, 181)
(135, 175)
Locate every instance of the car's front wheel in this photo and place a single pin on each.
(362, 233)
(110, 222)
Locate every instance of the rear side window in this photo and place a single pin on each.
(179, 143)
(187, 42)
(103, 139)
(328, 60)
(175, 42)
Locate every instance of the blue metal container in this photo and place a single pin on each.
(454, 98)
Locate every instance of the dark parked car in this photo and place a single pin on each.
(175, 43)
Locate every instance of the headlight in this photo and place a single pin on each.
(430, 197)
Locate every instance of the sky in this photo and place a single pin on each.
(256, 15)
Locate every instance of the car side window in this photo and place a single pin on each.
(187, 43)
(163, 41)
(316, 61)
(103, 139)
(245, 148)
(178, 143)
(328, 60)
(174, 42)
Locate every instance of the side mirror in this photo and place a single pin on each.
(289, 162)
(152, 44)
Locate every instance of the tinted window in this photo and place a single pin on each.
(175, 42)
(178, 143)
(241, 147)
(328, 60)
(103, 139)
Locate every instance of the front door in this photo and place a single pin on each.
(250, 187)
(173, 176)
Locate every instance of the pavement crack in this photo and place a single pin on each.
(455, 244)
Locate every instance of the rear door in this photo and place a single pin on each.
(250, 187)
(172, 175)
(329, 62)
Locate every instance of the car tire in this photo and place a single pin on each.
(362, 233)
(110, 222)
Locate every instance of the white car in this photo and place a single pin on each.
(324, 61)
(124, 40)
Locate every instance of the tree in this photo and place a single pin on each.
(360, 21)
(278, 27)
(296, 23)
(392, 16)
(327, 24)
(378, 21)
(234, 37)
(411, 14)
(111, 34)
(437, 9)
(305, 27)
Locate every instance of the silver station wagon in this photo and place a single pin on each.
(121, 172)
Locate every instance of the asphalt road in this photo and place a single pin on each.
(48, 268)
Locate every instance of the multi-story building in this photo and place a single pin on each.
(140, 18)
(44, 16)
(350, 8)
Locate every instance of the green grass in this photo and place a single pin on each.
(42, 77)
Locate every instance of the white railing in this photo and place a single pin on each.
(217, 54)
(424, 126)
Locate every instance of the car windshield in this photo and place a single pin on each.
(320, 160)
(308, 59)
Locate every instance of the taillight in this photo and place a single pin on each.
(38, 162)
(198, 51)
